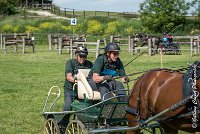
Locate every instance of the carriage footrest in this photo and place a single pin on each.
(131, 110)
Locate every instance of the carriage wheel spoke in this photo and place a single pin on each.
(51, 127)
(78, 128)
(69, 132)
(75, 127)
(55, 130)
(47, 131)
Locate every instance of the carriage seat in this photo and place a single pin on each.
(83, 86)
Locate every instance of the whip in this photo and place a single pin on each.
(175, 28)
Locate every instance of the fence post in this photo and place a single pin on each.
(73, 13)
(49, 40)
(1, 36)
(149, 46)
(108, 15)
(4, 42)
(195, 45)
(191, 46)
(51, 7)
(33, 42)
(111, 38)
(71, 48)
(42, 4)
(28, 35)
(105, 43)
(60, 45)
(65, 12)
(97, 48)
(59, 10)
(129, 44)
(23, 43)
(84, 14)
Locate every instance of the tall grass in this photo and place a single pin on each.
(26, 78)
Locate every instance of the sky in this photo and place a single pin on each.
(101, 5)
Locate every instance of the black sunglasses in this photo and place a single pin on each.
(115, 53)
(83, 56)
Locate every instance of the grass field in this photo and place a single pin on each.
(26, 78)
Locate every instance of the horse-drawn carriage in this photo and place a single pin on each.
(157, 44)
(169, 48)
(155, 97)
(87, 112)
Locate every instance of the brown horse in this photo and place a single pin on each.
(157, 90)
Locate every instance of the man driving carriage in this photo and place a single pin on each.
(71, 69)
(167, 39)
(168, 46)
(107, 66)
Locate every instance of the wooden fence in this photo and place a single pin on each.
(68, 12)
(53, 39)
(72, 42)
(17, 40)
(130, 42)
(194, 42)
(63, 41)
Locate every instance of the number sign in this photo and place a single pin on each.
(73, 21)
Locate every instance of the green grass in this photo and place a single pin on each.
(26, 78)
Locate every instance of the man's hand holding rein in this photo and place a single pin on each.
(107, 77)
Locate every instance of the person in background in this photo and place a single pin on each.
(71, 69)
(167, 39)
(107, 66)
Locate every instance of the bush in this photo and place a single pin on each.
(31, 29)
(94, 27)
(7, 28)
(112, 28)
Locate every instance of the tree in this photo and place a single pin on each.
(196, 5)
(163, 15)
(7, 7)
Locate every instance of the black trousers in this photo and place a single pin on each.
(68, 97)
(107, 86)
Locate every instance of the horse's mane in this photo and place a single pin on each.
(168, 70)
(164, 70)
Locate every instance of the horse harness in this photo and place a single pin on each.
(187, 91)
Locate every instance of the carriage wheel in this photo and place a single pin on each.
(51, 127)
(176, 49)
(75, 127)
(152, 129)
(162, 49)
